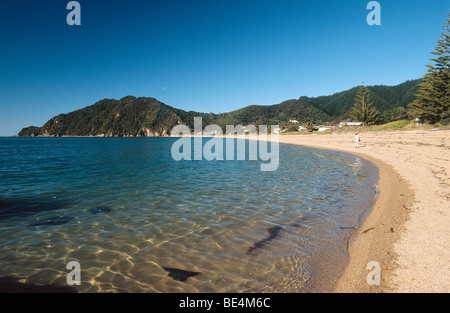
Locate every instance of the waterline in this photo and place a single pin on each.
(131, 211)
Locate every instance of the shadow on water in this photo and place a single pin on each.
(10, 284)
(52, 221)
(12, 208)
(179, 274)
(273, 233)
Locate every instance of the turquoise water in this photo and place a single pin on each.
(127, 212)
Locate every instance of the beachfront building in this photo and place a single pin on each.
(341, 124)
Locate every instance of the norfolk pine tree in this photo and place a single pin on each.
(363, 110)
(433, 100)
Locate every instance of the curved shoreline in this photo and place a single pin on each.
(407, 232)
(374, 240)
(380, 230)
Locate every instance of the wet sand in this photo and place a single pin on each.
(408, 230)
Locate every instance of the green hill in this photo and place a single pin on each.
(385, 98)
(144, 117)
(321, 109)
(128, 116)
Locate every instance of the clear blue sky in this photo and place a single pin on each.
(203, 55)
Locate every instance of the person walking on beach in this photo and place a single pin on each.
(357, 140)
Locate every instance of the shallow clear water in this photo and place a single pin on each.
(125, 210)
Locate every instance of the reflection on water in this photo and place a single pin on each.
(138, 221)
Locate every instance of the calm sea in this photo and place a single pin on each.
(137, 221)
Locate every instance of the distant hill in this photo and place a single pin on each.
(147, 117)
(385, 98)
(127, 117)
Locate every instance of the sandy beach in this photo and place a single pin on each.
(408, 230)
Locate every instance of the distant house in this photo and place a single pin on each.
(276, 130)
(341, 124)
(301, 129)
(250, 129)
(293, 121)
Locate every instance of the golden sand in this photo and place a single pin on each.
(408, 230)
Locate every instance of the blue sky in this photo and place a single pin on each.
(203, 55)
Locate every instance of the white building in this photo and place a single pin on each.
(341, 124)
